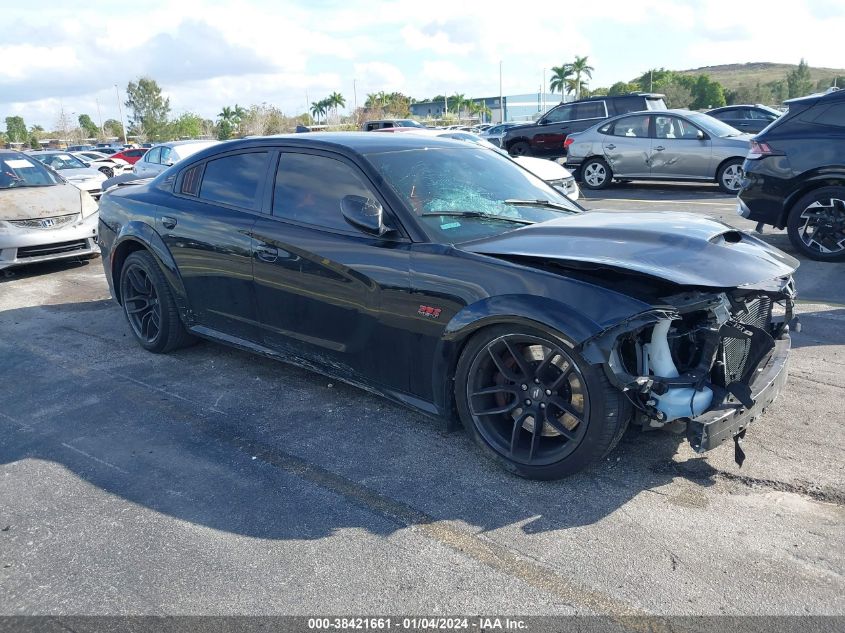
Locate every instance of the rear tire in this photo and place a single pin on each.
(108, 171)
(149, 306)
(596, 174)
(520, 148)
(729, 176)
(508, 376)
(816, 225)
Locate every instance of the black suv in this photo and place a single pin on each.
(794, 176)
(546, 137)
(746, 118)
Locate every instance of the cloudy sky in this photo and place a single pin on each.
(206, 54)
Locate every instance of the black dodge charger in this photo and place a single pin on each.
(446, 277)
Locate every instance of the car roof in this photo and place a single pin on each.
(648, 95)
(178, 143)
(359, 142)
(831, 94)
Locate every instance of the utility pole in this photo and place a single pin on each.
(355, 93)
(100, 117)
(651, 80)
(120, 110)
(501, 96)
(543, 89)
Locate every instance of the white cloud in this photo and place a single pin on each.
(375, 76)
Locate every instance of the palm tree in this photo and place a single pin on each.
(580, 67)
(459, 101)
(226, 114)
(318, 109)
(560, 76)
(481, 109)
(336, 101)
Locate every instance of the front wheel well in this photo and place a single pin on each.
(124, 250)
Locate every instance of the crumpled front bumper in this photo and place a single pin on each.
(722, 423)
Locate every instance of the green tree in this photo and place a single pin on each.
(148, 107)
(224, 130)
(336, 101)
(798, 81)
(559, 78)
(16, 129)
(707, 93)
(622, 88)
(779, 90)
(33, 142)
(580, 68)
(113, 127)
(600, 92)
(186, 125)
(677, 94)
(318, 110)
(89, 128)
(457, 103)
(652, 79)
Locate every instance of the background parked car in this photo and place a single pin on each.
(794, 176)
(369, 126)
(546, 136)
(496, 133)
(670, 145)
(74, 170)
(103, 163)
(160, 157)
(746, 118)
(131, 155)
(42, 216)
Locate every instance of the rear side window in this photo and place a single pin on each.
(309, 189)
(655, 104)
(832, 115)
(234, 179)
(636, 126)
(591, 110)
(629, 104)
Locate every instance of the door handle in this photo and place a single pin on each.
(611, 146)
(168, 222)
(267, 253)
(659, 148)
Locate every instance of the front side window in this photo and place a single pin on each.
(561, 114)
(636, 126)
(153, 156)
(674, 127)
(234, 180)
(165, 155)
(468, 192)
(309, 189)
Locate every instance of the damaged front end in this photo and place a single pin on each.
(709, 361)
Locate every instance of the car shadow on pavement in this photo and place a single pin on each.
(242, 444)
(44, 268)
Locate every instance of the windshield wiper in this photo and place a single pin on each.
(540, 203)
(477, 214)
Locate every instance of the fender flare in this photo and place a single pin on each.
(542, 313)
(141, 233)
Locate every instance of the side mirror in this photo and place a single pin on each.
(542, 121)
(700, 135)
(365, 214)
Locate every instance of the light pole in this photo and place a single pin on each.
(501, 97)
(120, 111)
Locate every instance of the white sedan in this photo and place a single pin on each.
(104, 163)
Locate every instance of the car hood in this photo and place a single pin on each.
(27, 203)
(82, 173)
(542, 168)
(682, 248)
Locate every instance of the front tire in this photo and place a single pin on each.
(596, 174)
(816, 224)
(108, 171)
(149, 306)
(509, 378)
(729, 177)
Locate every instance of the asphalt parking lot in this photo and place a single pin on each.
(211, 481)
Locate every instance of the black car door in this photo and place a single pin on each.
(207, 230)
(323, 288)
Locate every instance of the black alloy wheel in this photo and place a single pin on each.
(527, 399)
(816, 226)
(149, 305)
(108, 171)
